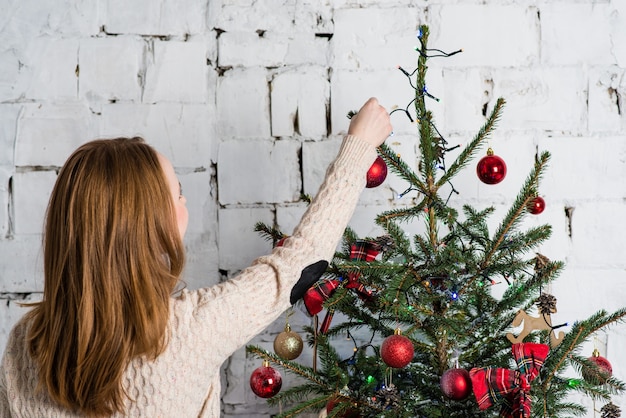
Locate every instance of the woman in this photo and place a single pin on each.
(108, 339)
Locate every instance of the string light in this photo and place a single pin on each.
(401, 195)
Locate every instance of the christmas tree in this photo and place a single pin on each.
(438, 343)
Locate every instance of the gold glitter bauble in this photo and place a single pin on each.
(288, 344)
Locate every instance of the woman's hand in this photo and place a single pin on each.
(371, 124)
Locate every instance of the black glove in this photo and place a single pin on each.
(309, 276)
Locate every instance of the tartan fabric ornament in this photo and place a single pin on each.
(321, 291)
(511, 388)
(362, 251)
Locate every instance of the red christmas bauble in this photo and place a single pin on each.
(600, 373)
(491, 169)
(537, 205)
(281, 242)
(397, 351)
(349, 413)
(265, 381)
(456, 384)
(377, 173)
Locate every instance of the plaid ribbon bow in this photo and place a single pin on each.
(510, 387)
(321, 291)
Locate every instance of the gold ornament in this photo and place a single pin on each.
(288, 344)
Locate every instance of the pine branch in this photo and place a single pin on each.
(471, 149)
(520, 206)
(311, 405)
(268, 232)
(400, 167)
(579, 333)
(305, 372)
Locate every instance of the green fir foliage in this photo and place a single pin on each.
(436, 287)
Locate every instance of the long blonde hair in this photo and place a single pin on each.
(112, 257)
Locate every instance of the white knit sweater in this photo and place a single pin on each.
(208, 325)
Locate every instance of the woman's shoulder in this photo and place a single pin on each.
(16, 353)
(17, 335)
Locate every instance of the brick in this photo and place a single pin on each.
(243, 104)
(201, 262)
(606, 89)
(618, 32)
(9, 114)
(31, 191)
(288, 217)
(10, 312)
(374, 38)
(602, 156)
(101, 81)
(161, 19)
(184, 133)
(591, 286)
(490, 35)
(597, 232)
(5, 178)
(235, 15)
(307, 48)
(239, 244)
(616, 340)
(176, 72)
(564, 40)
(201, 267)
(271, 49)
(552, 99)
(316, 156)
(349, 90)
(49, 70)
(251, 49)
(549, 99)
(9, 72)
(48, 134)
(299, 100)
(258, 171)
(21, 268)
(465, 93)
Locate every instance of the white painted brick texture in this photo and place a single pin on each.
(249, 101)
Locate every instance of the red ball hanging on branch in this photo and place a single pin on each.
(397, 350)
(265, 381)
(350, 412)
(456, 384)
(537, 205)
(377, 173)
(600, 372)
(491, 169)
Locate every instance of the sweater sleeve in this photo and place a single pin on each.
(228, 315)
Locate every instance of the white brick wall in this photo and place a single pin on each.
(249, 100)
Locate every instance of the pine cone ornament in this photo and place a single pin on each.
(388, 397)
(541, 262)
(546, 304)
(610, 410)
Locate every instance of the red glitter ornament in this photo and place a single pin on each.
(600, 373)
(456, 384)
(397, 350)
(537, 205)
(377, 173)
(265, 381)
(491, 169)
(350, 412)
